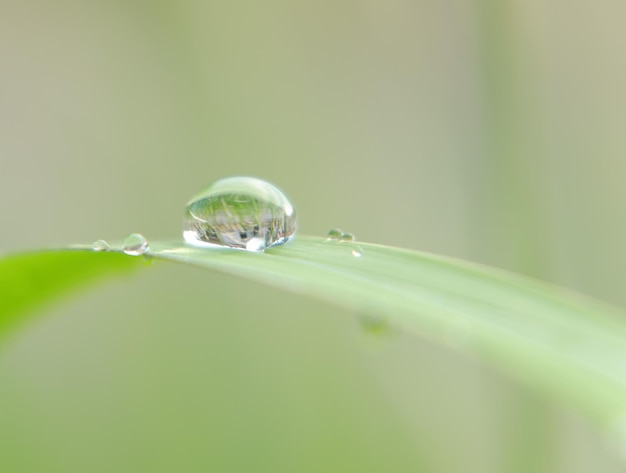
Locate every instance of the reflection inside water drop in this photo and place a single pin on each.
(135, 244)
(357, 252)
(239, 212)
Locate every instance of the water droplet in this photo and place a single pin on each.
(334, 234)
(374, 324)
(347, 237)
(135, 244)
(357, 252)
(100, 245)
(239, 212)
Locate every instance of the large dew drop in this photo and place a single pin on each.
(239, 212)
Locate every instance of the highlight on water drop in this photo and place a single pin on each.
(135, 244)
(239, 212)
(357, 252)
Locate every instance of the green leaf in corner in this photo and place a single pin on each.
(28, 280)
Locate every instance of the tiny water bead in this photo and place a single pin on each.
(374, 324)
(239, 212)
(100, 245)
(337, 234)
(334, 234)
(135, 244)
(347, 237)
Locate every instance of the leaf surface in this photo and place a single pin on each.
(561, 343)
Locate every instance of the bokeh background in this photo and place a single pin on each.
(487, 130)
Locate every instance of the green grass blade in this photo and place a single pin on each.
(555, 341)
(28, 280)
(567, 345)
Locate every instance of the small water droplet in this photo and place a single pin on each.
(347, 237)
(239, 212)
(334, 234)
(374, 324)
(148, 260)
(135, 244)
(357, 252)
(100, 245)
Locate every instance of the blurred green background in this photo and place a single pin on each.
(487, 130)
